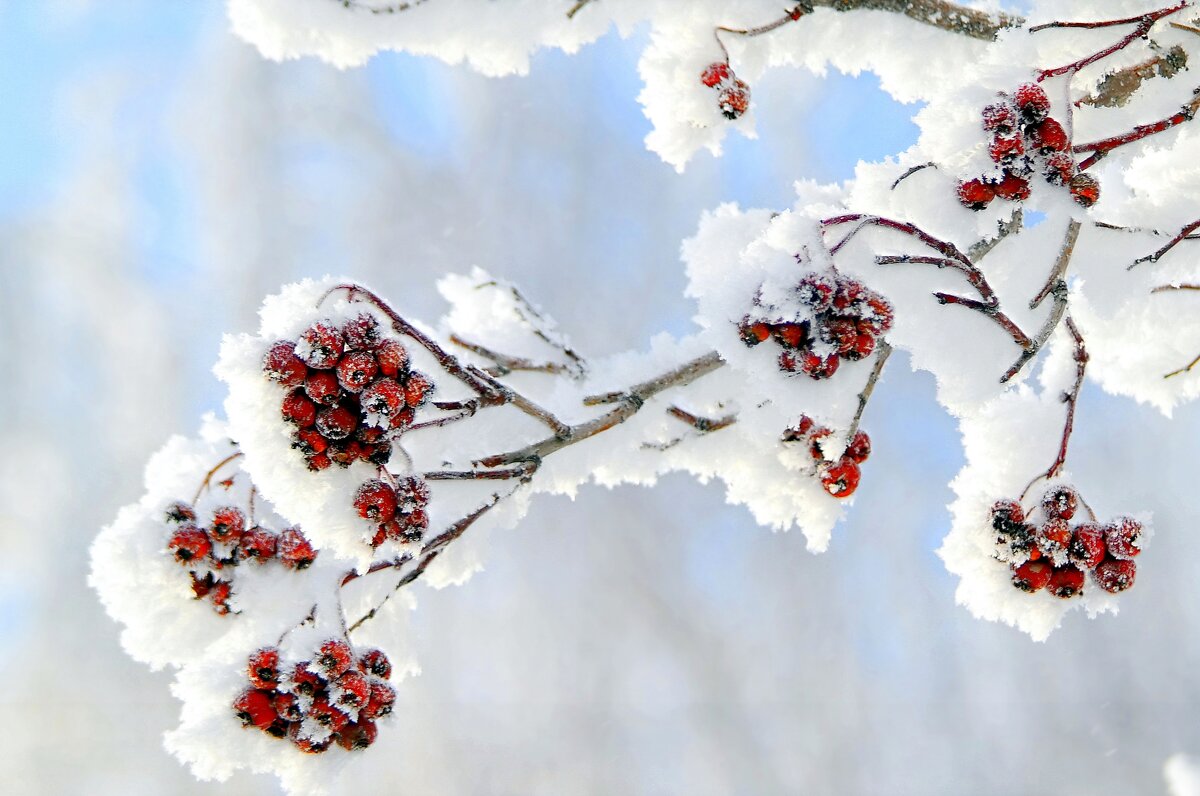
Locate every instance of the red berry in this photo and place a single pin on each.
(1085, 189)
(253, 707)
(1115, 575)
(848, 297)
(305, 743)
(1032, 102)
(375, 501)
(337, 422)
(1087, 546)
(404, 419)
(1032, 576)
(880, 313)
(180, 512)
(790, 335)
(298, 409)
(817, 447)
(287, 706)
(381, 701)
(753, 333)
(294, 550)
(735, 100)
(282, 365)
(322, 387)
(1007, 516)
(188, 544)
(320, 346)
(392, 357)
(356, 370)
(817, 291)
(310, 442)
(417, 389)
(1059, 168)
(412, 493)
(376, 663)
(413, 526)
(305, 681)
(1000, 118)
(381, 401)
(1066, 582)
(335, 657)
(325, 713)
(864, 344)
(975, 194)
(859, 448)
(361, 333)
(1053, 538)
(799, 431)
(715, 74)
(841, 479)
(1060, 502)
(841, 333)
(346, 453)
(357, 736)
(228, 524)
(318, 462)
(1003, 149)
(787, 362)
(202, 586)
(1048, 136)
(818, 367)
(259, 543)
(1013, 188)
(263, 668)
(1123, 537)
(352, 690)
(219, 596)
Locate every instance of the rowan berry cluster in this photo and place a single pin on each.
(332, 698)
(396, 510)
(733, 95)
(1055, 555)
(838, 318)
(1026, 140)
(839, 476)
(351, 391)
(212, 553)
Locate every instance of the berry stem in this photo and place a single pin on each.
(207, 482)
(1101, 148)
(1070, 399)
(1144, 23)
(882, 352)
(1184, 234)
(1056, 286)
(464, 409)
(704, 425)
(911, 171)
(797, 11)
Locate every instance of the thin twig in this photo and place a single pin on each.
(799, 10)
(704, 425)
(1058, 272)
(207, 482)
(575, 9)
(947, 16)
(909, 172)
(1070, 399)
(532, 317)
(1117, 88)
(1144, 23)
(1101, 148)
(1184, 234)
(882, 352)
(506, 364)
(982, 248)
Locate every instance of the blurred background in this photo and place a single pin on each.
(158, 178)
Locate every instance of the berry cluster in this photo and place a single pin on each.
(839, 477)
(352, 391)
(1054, 555)
(1026, 139)
(396, 511)
(333, 698)
(839, 318)
(733, 95)
(211, 553)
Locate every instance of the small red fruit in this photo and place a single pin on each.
(1123, 537)
(1060, 502)
(859, 448)
(259, 544)
(818, 367)
(263, 668)
(999, 118)
(356, 370)
(1059, 168)
(800, 431)
(754, 333)
(1085, 189)
(188, 544)
(376, 663)
(1048, 136)
(282, 365)
(817, 291)
(735, 100)
(1013, 188)
(322, 387)
(1004, 150)
(382, 400)
(180, 512)
(357, 736)
(298, 409)
(294, 550)
(715, 74)
(310, 442)
(287, 706)
(305, 743)
(336, 423)
(1007, 516)
(219, 595)
(320, 346)
(392, 357)
(305, 681)
(790, 334)
(841, 479)
(1087, 546)
(1032, 576)
(975, 194)
(381, 701)
(1066, 582)
(1115, 575)
(228, 524)
(254, 707)
(335, 657)
(325, 713)
(417, 389)
(1032, 102)
(319, 462)
(361, 333)
(352, 690)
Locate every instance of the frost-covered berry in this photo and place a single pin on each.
(1032, 576)
(382, 400)
(361, 333)
(180, 512)
(714, 74)
(356, 370)
(799, 431)
(1048, 136)
(1124, 538)
(859, 448)
(1014, 188)
(999, 118)
(319, 462)
(417, 389)
(392, 357)
(337, 422)
(288, 706)
(304, 680)
(841, 479)
(1007, 516)
(864, 344)
(734, 100)
(188, 544)
(1053, 538)
(1032, 102)
(295, 551)
(263, 668)
(817, 291)
(375, 662)
(357, 736)
(1060, 502)
(975, 194)
(307, 743)
(352, 690)
(414, 525)
(327, 714)
(1115, 575)
(201, 586)
(381, 701)
(753, 333)
(1085, 189)
(790, 335)
(298, 409)
(254, 707)
(335, 657)
(1059, 168)
(880, 315)
(310, 442)
(322, 387)
(840, 333)
(818, 367)
(1004, 149)
(375, 501)
(1066, 582)
(228, 524)
(320, 346)
(1087, 546)
(259, 544)
(412, 493)
(282, 365)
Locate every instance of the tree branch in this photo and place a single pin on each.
(1184, 234)
(882, 352)
(937, 13)
(1070, 399)
(1144, 23)
(1101, 148)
